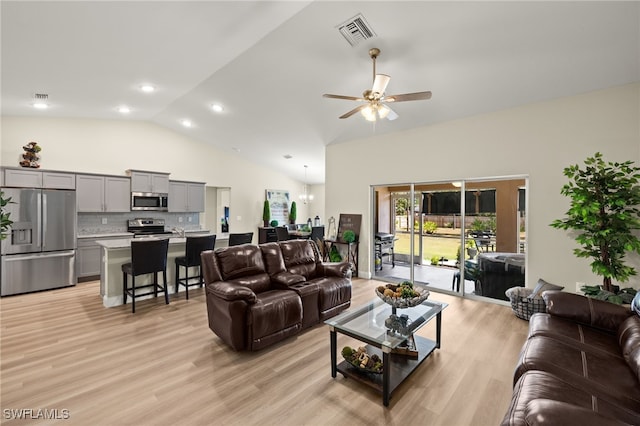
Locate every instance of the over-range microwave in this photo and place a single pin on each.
(149, 201)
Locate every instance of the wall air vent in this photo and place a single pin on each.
(356, 30)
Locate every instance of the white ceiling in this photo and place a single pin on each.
(269, 63)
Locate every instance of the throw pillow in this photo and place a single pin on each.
(543, 286)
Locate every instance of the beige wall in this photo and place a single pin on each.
(113, 146)
(536, 140)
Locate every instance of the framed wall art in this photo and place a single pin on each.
(279, 203)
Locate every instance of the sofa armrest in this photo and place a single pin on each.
(335, 269)
(586, 310)
(230, 292)
(284, 280)
(540, 412)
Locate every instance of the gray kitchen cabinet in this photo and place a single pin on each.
(96, 193)
(142, 181)
(89, 256)
(23, 178)
(28, 178)
(55, 180)
(186, 196)
(117, 194)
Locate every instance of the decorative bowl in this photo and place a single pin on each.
(353, 361)
(405, 302)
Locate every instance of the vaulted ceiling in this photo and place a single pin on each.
(268, 64)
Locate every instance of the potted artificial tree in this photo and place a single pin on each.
(266, 213)
(5, 222)
(604, 213)
(293, 213)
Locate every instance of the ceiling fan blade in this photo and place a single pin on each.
(380, 83)
(348, 98)
(353, 111)
(418, 96)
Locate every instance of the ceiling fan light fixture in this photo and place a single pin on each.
(369, 113)
(383, 111)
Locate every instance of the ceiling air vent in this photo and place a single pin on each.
(40, 96)
(356, 30)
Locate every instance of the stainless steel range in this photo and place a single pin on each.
(144, 227)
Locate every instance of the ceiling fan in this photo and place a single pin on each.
(375, 99)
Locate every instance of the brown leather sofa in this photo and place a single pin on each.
(259, 295)
(580, 365)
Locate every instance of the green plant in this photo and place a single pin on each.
(293, 213)
(430, 227)
(334, 255)
(604, 213)
(484, 223)
(273, 223)
(266, 213)
(624, 295)
(348, 236)
(435, 260)
(477, 225)
(5, 222)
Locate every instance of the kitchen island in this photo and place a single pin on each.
(117, 252)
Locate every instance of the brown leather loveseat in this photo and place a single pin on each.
(580, 365)
(259, 295)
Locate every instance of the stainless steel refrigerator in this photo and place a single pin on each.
(39, 252)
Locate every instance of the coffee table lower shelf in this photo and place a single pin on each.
(401, 366)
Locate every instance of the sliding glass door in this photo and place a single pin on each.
(452, 236)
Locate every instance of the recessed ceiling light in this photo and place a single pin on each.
(147, 88)
(124, 109)
(217, 108)
(40, 105)
(187, 123)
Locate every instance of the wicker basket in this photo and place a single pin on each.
(523, 305)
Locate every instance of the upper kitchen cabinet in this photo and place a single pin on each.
(186, 196)
(97, 193)
(142, 181)
(53, 180)
(25, 178)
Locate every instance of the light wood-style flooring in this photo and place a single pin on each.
(162, 365)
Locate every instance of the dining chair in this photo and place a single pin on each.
(282, 233)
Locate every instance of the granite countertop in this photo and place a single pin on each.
(126, 242)
(130, 234)
(106, 235)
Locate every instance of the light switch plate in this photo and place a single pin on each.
(104, 220)
(180, 219)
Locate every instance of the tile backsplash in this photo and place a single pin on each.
(92, 223)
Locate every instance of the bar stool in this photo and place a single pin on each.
(238, 239)
(194, 246)
(147, 257)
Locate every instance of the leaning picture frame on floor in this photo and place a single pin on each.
(279, 202)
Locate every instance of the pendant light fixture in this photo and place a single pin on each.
(305, 196)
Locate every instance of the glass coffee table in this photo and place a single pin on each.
(389, 333)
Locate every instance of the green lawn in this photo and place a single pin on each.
(433, 245)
